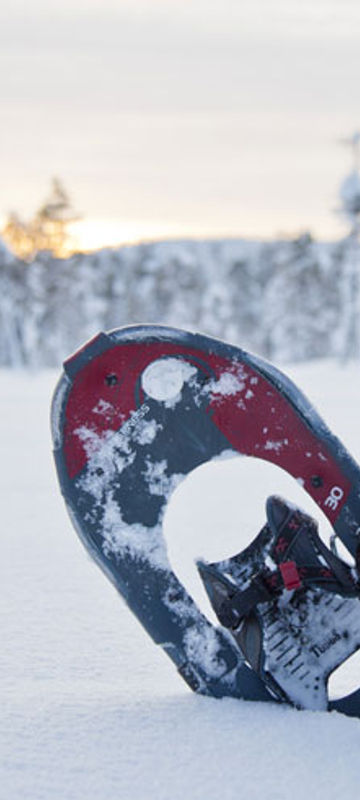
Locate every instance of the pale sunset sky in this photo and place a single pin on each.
(168, 118)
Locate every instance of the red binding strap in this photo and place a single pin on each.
(290, 575)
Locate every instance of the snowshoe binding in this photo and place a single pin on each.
(291, 604)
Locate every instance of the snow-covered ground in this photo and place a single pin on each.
(91, 709)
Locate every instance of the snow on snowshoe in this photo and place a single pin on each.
(134, 412)
(292, 606)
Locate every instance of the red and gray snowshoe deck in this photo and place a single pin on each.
(135, 411)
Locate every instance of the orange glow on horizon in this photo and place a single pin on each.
(88, 235)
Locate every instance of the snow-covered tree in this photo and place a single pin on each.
(279, 299)
(350, 283)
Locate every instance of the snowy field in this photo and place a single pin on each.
(91, 709)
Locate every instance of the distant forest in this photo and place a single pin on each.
(288, 301)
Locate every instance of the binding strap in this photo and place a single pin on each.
(303, 562)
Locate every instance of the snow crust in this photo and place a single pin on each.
(108, 456)
(163, 379)
(227, 384)
(90, 707)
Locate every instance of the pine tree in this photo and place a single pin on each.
(47, 230)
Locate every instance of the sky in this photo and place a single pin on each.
(180, 117)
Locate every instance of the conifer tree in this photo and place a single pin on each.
(47, 230)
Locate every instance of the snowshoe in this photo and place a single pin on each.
(134, 412)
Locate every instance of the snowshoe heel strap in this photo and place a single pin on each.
(240, 604)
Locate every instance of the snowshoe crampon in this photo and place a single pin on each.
(135, 411)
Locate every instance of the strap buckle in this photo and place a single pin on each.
(290, 575)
